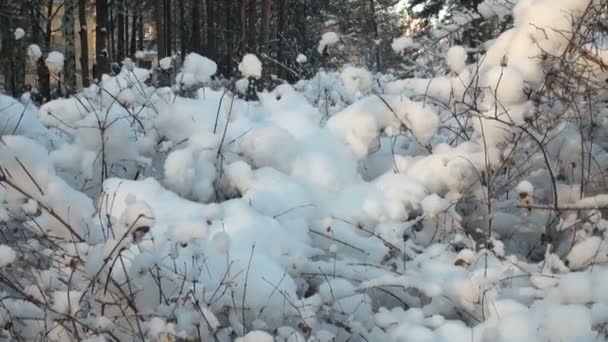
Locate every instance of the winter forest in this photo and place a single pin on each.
(304, 170)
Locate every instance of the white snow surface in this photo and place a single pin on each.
(166, 63)
(19, 33)
(347, 207)
(7, 255)
(197, 70)
(250, 66)
(402, 43)
(54, 61)
(328, 39)
(456, 58)
(34, 52)
(301, 58)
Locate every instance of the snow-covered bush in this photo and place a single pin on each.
(466, 204)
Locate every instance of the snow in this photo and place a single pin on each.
(504, 85)
(7, 255)
(250, 66)
(359, 123)
(221, 242)
(433, 205)
(21, 119)
(402, 43)
(490, 8)
(571, 322)
(456, 58)
(166, 63)
(242, 85)
(34, 52)
(328, 39)
(525, 187)
(575, 288)
(256, 336)
(19, 33)
(301, 58)
(349, 206)
(197, 69)
(357, 80)
(333, 290)
(137, 214)
(54, 61)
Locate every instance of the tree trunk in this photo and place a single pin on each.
(120, 35)
(112, 54)
(140, 32)
(168, 29)
(127, 35)
(133, 46)
(182, 29)
(243, 25)
(211, 31)
(49, 27)
(9, 48)
(35, 24)
(19, 52)
(253, 17)
(196, 26)
(69, 67)
(281, 27)
(265, 29)
(101, 31)
(374, 28)
(44, 75)
(228, 13)
(84, 42)
(160, 29)
(44, 80)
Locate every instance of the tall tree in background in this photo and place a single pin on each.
(111, 34)
(229, 11)
(133, 41)
(101, 30)
(223, 30)
(20, 47)
(265, 26)
(211, 30)
(12, 17)
(252, 25)
(44, 75)
(84, 42)
(140, 30)
(373, 19)
(243, 25)
(168, 26)
(69, 66)
(196, 26)
(430, 9)
(182, 28)
(120, 35)
(160, 28)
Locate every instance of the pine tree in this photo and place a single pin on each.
(69, 66)
(84, 42)
(265, 25)
(433, 8)
(196, 26)
(102, 65)
(10, 49)
(120, 35)
(252, 11)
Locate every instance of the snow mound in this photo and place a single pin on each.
(250, 66)
(54, 61)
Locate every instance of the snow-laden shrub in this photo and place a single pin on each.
(466, 205)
